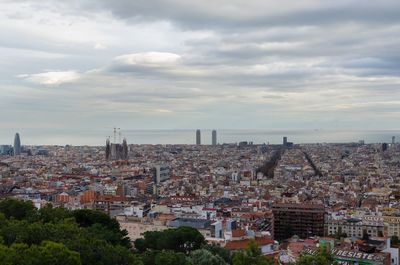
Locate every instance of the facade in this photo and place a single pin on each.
(137, 227)
(393, 225)
(344, 256)
(354, 227)
(161, 173)
(190, 222)
(198, 137)
(116, 151)
(6, 149)
(108, 149)
(303, 220)
(284, 141)
(17, 145)
(214, 137)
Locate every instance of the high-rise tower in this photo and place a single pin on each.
(17, 144)
(285, 141)
(124, 149)
(198, 137)
(214, 137)
(108, 149)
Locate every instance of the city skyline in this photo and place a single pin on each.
(206, 137)
(186, 132)
(261, 65)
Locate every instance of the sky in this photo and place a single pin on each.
(84, 65)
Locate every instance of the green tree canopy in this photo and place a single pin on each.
(322, 257)
(91, 237)
(47, 253)
(205, 257)
(182, 239)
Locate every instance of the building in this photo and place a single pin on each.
(265, 243)
(6, 150)
(136, 227)
(384, 147)
(303, 220)
(198, 137)
(116, 151)
(190, 222)
(393, 225)
(108, 149)
(161, 173)
(345, 256)
(284, 141)
(17, 145)
(356, 227)
(214, 137)
(393, 139)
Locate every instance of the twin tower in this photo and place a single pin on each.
(213, 140)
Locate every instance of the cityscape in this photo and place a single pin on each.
(287, 197)
(181, 132)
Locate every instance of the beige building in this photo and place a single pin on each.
(393, 225)
(136, 227)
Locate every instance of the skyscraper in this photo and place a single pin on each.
(285, 141)
(124, 149)
(214, 137)
(198, 137)
(17, 144)
(108, 149)
(393, 139)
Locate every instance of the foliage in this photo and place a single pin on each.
(182, 239)
(47, 253)
(251, 255)
(322, 257)
(17, 209)
(90, 237)
(205, 257)
(85, 237)
(220, 251)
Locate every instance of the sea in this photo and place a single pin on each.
(186, 136)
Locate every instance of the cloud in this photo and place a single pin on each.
(52, 78)
(149, 59)
(175, 64)
(99, 46)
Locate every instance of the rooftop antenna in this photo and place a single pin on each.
(119, 135)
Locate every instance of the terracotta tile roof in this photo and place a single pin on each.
(238, 233)
(242, 244)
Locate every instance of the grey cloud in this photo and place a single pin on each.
(236, 14)
(292, 63)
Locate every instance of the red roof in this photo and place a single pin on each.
(242, 244)
(238, 233)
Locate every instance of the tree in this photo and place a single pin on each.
(30, 236)
(86, 218)
(220, 251)
(170, 258)
(182, 239)
(17, 209)
(49, 214)
(205, 257)
(48, 253)
(322, 257)
(251, 255)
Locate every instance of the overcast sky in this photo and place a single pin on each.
(82, 65)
